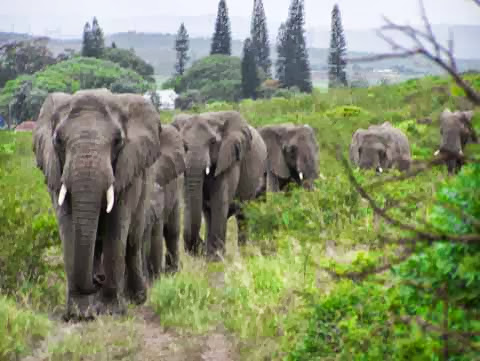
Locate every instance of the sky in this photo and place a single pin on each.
(65, 18)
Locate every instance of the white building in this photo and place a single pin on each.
(167, 98)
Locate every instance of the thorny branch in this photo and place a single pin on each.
(441, 55)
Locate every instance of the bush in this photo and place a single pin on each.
(70, 76)
(189, 100)
(217, 77)
(19, 329)
(129, 60)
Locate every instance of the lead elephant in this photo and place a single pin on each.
(380, 147)
(96, 151)
(225, 161)
(163, 215)
(292, 155)
(456, 130)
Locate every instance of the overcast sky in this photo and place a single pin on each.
(66, 17)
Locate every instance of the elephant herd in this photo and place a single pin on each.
(114, 174)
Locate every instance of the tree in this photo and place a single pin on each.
(250, 79)
(281, 54)
(98, 41)
(87, 40)
(114, 45)
(296, 66)
(181, 47)
(259, 37)
(337, 75)
(222, 38)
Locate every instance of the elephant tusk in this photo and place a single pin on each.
(110, 199)
(207, 170)
(380, 169)
(436, 153)
(460, 153)
(322, 177)
(300, 175)
(62, 194)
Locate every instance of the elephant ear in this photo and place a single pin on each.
(54, 108)
(467, 120)
(273, 138)
(171, 162)
(141, 123)
(355, 145)
(236, 141)
(180, 120)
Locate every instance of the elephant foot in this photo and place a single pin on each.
(80, 308)
(171, 269)
(111, 306)
(214, 257)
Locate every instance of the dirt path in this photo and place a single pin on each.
(142, 338)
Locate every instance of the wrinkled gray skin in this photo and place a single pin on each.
(380, 147)
(292, 155)
(99, 148)
(456, 130)
(163, 215)
(225, 161)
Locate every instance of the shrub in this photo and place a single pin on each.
(217, 77)
(129, 60)
(19, 329)
(70, 76)
(189, 100)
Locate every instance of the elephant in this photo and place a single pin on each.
(225, 161)
(163, 215)
(96, 151)
(292, 155)
(456, 130)
(380, 147)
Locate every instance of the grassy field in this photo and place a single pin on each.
(273, 299)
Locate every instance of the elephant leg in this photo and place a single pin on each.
(156, 250)
(218, 223)
(273, 183)
(114, 234)
(172, 234)
(98, 272)
(146, 252)
(135, 280)
(242, 227)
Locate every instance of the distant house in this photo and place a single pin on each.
(167, 98)
(26, 126)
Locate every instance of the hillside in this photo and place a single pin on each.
(157, 49)
(279, 297)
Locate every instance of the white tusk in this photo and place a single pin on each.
(460, 153)
(62, 194)
(436, 153)
(300, 175)
(110, 199)
(207, 170)
(380, 169)
(322, 176)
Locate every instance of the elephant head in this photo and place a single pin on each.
(380, 147)
(90, 147)
(292, 152)
(213, 143)
(456, 130)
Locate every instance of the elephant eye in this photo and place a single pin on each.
(213, 141)
(118, 140)
(57, 139)
(185, 146)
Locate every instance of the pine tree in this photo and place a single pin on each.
(296, 66)
(259, 36)
(281, 54)
(222, 38)
(87, 40)
(98, 41)
(114, 45)
(250, 79)
(337, 75)
(181, 47)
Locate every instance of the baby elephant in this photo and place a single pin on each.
(457, 131)
(163, 215)
(292, 155)
(380, 147)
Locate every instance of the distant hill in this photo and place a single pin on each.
(157, 49)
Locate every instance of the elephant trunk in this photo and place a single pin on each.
(89, 197)
(194, 178)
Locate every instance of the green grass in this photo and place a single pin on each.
(264, 294)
